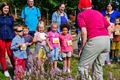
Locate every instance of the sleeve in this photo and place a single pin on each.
(118, 14)
(39, 13)
(23, 14)
(81, 21)
(106, 23)
(54, 18)
(14, 45)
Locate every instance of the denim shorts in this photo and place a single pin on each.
(66, 54)
(54, 54)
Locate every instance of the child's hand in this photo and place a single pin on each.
(27, 44)
(51, 48)
(20, 44)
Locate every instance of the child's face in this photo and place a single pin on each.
(64, 31)
(19, 31)
(54, 28)
(25, 31)
(41, 28)
(117, 21)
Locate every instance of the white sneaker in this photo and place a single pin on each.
(68, 70)
(6, 73)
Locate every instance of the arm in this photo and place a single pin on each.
(15, 45)
(83, 37)
(54, 17)
(48, 42)
(82, 25)
(34, 39)
(39, 14)
(23, 15)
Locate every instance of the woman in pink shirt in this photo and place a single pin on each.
(66, 46)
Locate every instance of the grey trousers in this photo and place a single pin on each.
(93, 56)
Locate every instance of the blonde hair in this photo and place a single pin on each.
(54, 23)
(40, 23)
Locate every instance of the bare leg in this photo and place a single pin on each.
(65, 64)
(55, 64)
(68, 63)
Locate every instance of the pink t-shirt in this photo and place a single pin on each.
(53, 39)
(66, 43)
(95, 23)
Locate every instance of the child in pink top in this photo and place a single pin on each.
(53, 43)
(40, 40)
(66, 46)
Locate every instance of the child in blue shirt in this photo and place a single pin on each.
(18, 47)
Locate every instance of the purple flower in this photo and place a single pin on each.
(110, 76)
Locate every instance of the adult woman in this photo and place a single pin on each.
(60, 16)
(111, 12)
(6, 36)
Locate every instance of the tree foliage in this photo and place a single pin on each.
(49, 6)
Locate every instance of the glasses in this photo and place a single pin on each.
(19, 30)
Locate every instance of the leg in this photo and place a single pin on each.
(19, 68)
(65, 64)
(55, 64)
(2, 55)
(52, 59)
(97, 67)
(68, 64)
(113, 49)
(64, 61)
(51, 65)
(90, 53)
(9, 52)
(113, 54)
(69, 54)
(56, 52)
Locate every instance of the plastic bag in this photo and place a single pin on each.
(41, 54)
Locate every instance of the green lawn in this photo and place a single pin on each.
(113, 68)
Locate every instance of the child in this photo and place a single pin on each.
(53, 43)
(18, 47)
(28, 39)
(66, 46)
(116, 39)
(110, 29)
(40, 40)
